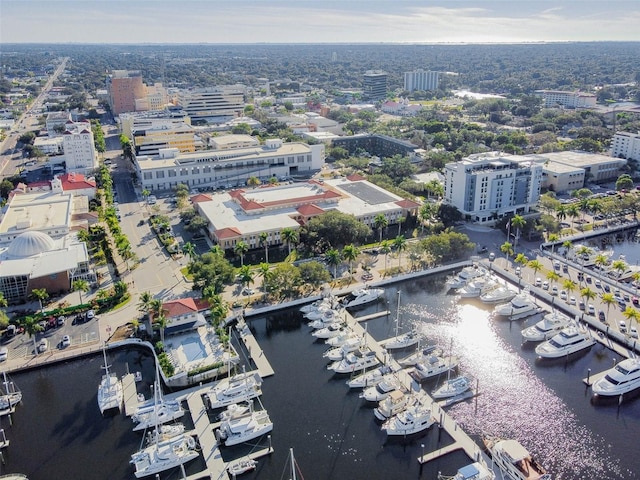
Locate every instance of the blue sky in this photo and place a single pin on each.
(317, 21)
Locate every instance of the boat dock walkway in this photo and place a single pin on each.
(216, 466)
(255, 352)
(373, 316)
(130, 394)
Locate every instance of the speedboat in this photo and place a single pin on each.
(497, 295)
(432, 367)
(622, 378)
(372, 377)
(341, 339)
(240, 466)
(546, 328)
(333, 330)
(245, 428)
(325, 314)
(237, 388)
(465, 276)
(404, 340)
(452, 387)
(514, 461)
(414, 419)
(110, 394)
(355, 361)
(474, 471)
(338, 353)
(164, 455)
(570, 340)
(477, 287)
(396, 402)
(420, 356)
(382, 390)
(520, 306)
(362, 296)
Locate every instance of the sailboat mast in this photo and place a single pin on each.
(398, 314)
(293, 465)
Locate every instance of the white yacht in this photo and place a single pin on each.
(546, 328)
(355, 361)
(622, 378)
(474, 471)
(164, 455)
(414, 419)
(497, 295)
(326, 314)
(338, 353)
(396, 402)
(452, 387)
(237, 388)
(404, 340)
(478, 286)
(421, 355)
(333, 330)
(149, 414)
(326, 302)
(570, 340)
(432, 367)
(362, 296)
(382, 390)
(328, 317)
(465, 276)
(372, 377)
(341, 339)
(521, 306)
(244, 428)
(514, 461)
(110, 394)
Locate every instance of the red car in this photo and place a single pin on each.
(635, 301)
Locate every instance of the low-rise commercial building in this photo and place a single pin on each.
(597, 168)
(568, 99)
(559, 177)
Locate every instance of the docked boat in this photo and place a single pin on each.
(452, 387)
(240, 466)
(396, 402)
(404, 340)
(421, 355)
(162, 433)
(235, 410)
(382, 390)
(162, 456)
(432, 367)
(474, 471)
(465, 276)
(415, 419)
(362, 296)
(497, 295)
(328, 302)
(478, 286)
(514, 461)
(237, 388)
(10, 396)
(326, 318)
(244, 428)
(338, 353)
(521, 306)
(13, 476)
(149, 414)
(372, 377)
(570, 340)
(110, 394)
(355, 361)
(621, 379)
(341, 339)
(326, 314)
(333, 330)
(551, 324)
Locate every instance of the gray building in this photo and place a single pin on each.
(375, 85)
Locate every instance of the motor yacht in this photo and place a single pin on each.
(355, 361)
(478, 286)
(382, 390)
(521, 306)
(372, 377)
(497, 295)
(422, 355)
(362, 296)
(110, 394)
(551, 324)
(326, 302)
(324, 314)
(570, 340)
(338, 353)
(341, 339)
(514, 461)
(333, 330)
(396, 402)
(247, 427)
(474, 471)
(237, 388)
(328, 317)
(414, 419)
(465, 276)
(452, 387)
(622, 378)
(432, 367)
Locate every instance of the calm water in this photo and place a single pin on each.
(59, 434)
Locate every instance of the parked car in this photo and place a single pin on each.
(554, 290)
(601, 316)
(622, 326)
(90, 314)
(248, 291)
(43, 345)
(545, 285)
(66, 341)
(538, 282)
(582, 306)
(4, 353)
(572, 300)
(633, 332)
(563, 295)
(518, 271)
(591, 310)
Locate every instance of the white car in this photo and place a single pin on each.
(563, 295)
(591, 310)
(554, 290)
(572, 300)
(545, 285)
(90, 314)
(597, 283)
(633, 331)
(43, 345)
(622, 326)
(66, 341)
(539, 282)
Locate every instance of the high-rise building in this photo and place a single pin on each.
(626, 145)
(79, 148)
(421, 80)
(124, 88)
(375, 85)
(206, 103)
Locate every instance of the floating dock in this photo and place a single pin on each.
(255, 352)
(130, 394)
(373, 316)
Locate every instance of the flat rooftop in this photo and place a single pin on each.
(37, 211)
(580, 159)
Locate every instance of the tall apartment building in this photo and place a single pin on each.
(124, 88)
(79, 148)
(421, 80)
(375, 85)
(213, 102)
(488, 185)
(555, 98)
(626, 145)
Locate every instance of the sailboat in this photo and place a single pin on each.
(295, 470)
(110, 392)
(163, 454)
(159, 412)
(405, 340)
(10, 397)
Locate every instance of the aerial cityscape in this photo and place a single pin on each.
(378, 240)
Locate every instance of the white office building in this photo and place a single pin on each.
(421, 80)
(626, 145)
(213, 103)
(490, 185)
(561, 98)
(79, 148)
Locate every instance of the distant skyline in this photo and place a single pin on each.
(318, 21)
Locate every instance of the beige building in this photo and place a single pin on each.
(124, 88)
(558, 177)
(598, 168)
(227, 142)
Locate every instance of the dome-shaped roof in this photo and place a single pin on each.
(30, 243)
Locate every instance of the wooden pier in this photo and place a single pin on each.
(216, 467)
(255, 352)
(130, 394)
(373, 316)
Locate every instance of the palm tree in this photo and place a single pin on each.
(583, 253)
(521, 259)
(569, 285)
(635, 276)
(245, 275)
(385, 247)
(145, 194)
(507, 249)
(253, 182)
(608, 299)
(289, 236)
(630, 314)
(216, 250)
(561, 212)
(334, 258)
(601, 260)
(573, 212)
(159, 316)
(263, 271)
(620, 266)
(145, 302)
(587, 294)
(350, 254)
(552, 276)
(240, 248)
(32, 327)
(400, 221)
(189, 249)
(425, 214)
(553, 238)
(40, 294)
(264, 242)
(80, 286)
(380, 222)
(399, 244)
(567, 245)
(517, 222)
(535, 265)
